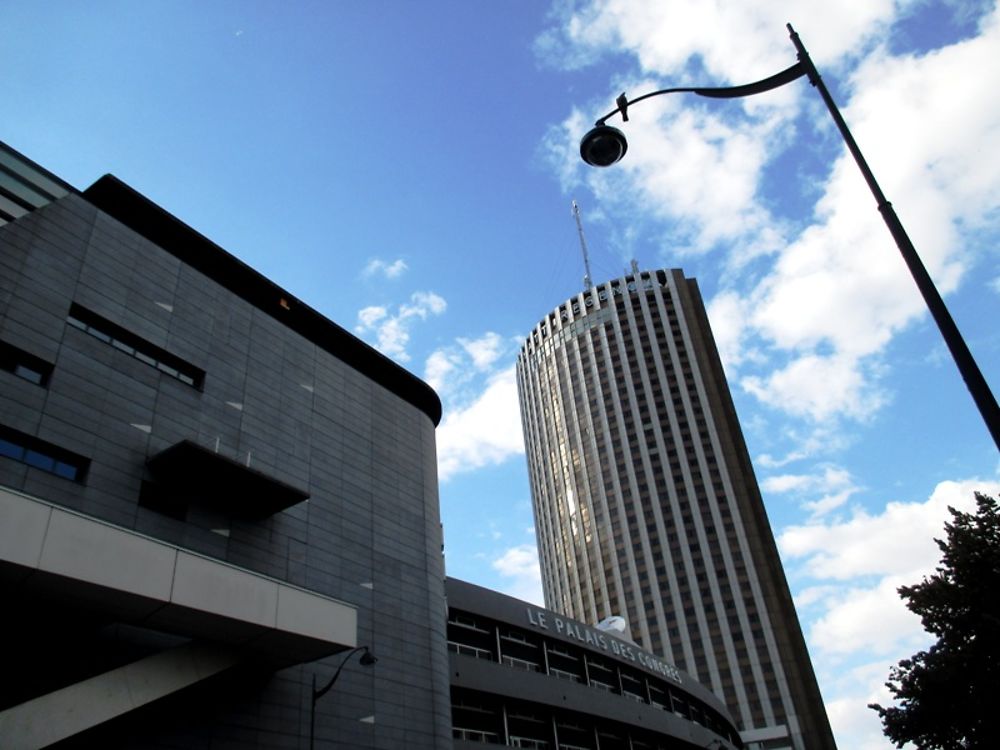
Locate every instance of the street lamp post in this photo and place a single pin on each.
(605, 145)
(367, 659)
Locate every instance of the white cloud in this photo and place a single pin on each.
(842, 283)
(440, 364)
(484, 433)
(897, 541)
(818, 387)
(665, 35)
(392, 270)
(813, 594)
(854, 724)
(829, 502)
(369, 316)
(817, 439)
(829, 479)
(485, 350)
(392, 332)
(520, 564)
(423, 304)
(846, 627)
(457, 369)
(833, 483)
(786, 483)
(728, 314)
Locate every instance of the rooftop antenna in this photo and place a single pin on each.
(583, 245)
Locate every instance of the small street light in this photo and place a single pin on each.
(367, 659)
(605, 145)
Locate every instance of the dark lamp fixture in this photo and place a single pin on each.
(367, 659)
(603, 146)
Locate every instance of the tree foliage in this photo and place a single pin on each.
(946, 696)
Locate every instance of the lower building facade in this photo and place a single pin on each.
(524, 676)
(210, 497)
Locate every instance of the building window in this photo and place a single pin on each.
(466, 650)
(39, 454)
(24, 364)
(134, 346)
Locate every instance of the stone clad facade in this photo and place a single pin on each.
(161, 396)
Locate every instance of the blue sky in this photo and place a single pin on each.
(407, 169)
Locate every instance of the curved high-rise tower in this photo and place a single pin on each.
(646, 505)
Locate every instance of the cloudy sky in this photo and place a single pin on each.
(407, 169)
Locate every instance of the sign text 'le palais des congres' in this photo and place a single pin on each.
(596, 639)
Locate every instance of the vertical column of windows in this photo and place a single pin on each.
(561, 483)
(537, 381)
(652, 600)
(681, 569)
(652, 410)
(589, 403)
(639, 429)
(736, 555)
(697, 502)
(608, 373)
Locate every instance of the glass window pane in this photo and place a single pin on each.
(28, 374)
(39, 460)
(11, 450)
(67, 471)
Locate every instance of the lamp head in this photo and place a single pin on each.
(367, 658)
(603, 146)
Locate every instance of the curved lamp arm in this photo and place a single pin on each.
(367, 659)
(716, 92)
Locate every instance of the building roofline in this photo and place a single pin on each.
(42, 171)
(139, 213)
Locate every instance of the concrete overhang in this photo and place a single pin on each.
(232, 486)
(56, 553)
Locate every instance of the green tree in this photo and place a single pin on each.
(949, 695)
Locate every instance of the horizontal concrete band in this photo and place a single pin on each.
(762, 734)
(49, 550)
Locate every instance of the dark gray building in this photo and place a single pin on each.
(524, 676)
(208, 494)
(646, 505)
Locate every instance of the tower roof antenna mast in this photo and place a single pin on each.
(583, 246)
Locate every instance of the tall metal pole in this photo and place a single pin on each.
(587, 279)
(967, 366)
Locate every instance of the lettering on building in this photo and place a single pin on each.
(598, 640)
